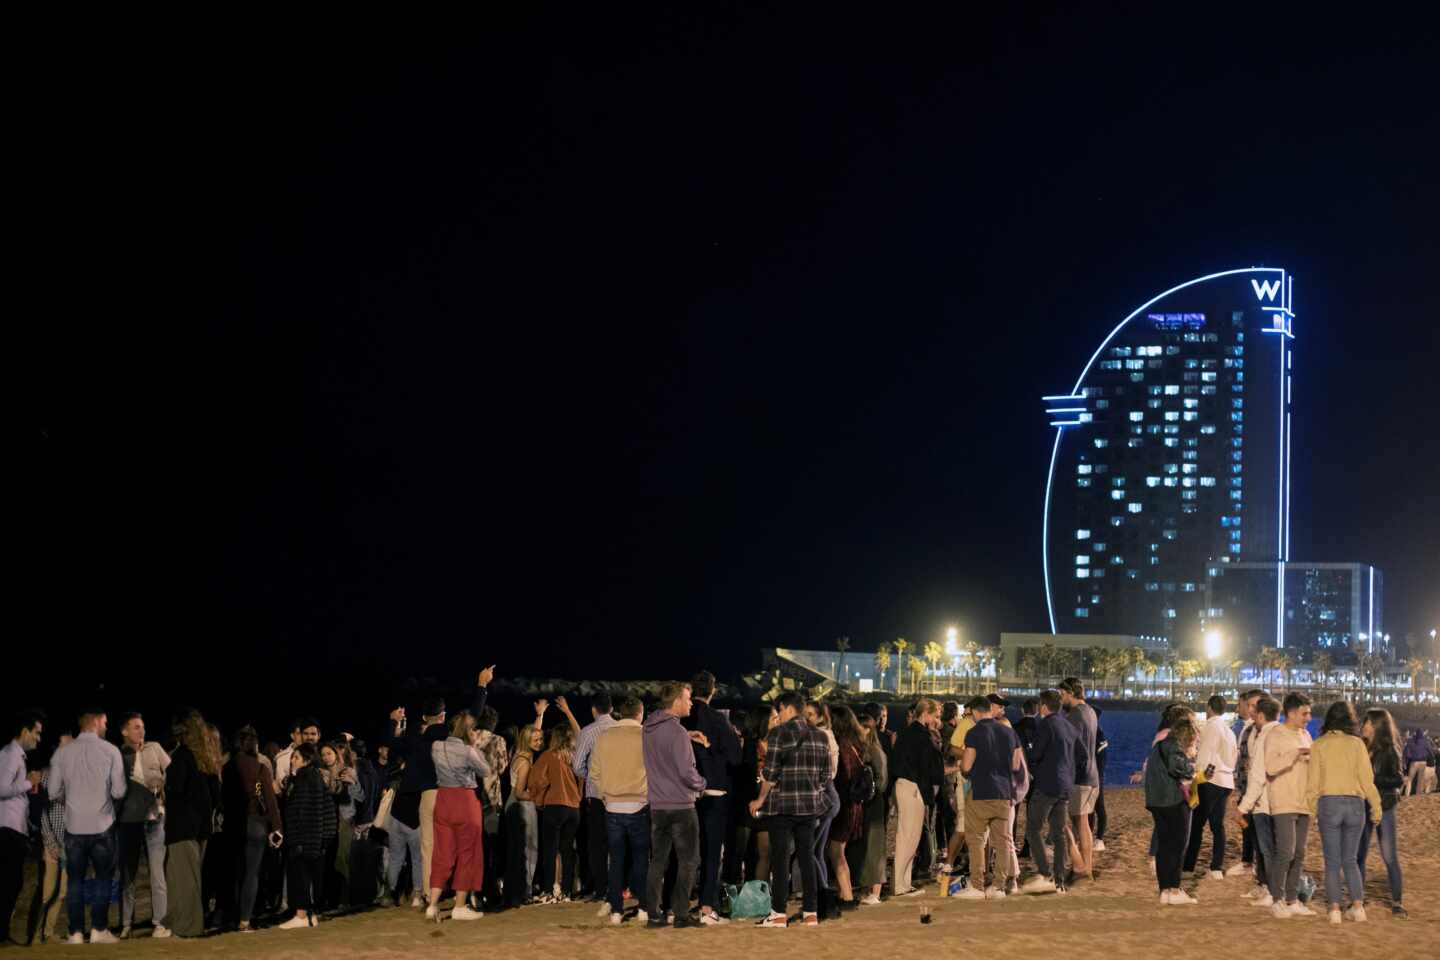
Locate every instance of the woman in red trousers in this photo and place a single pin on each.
(458, 861)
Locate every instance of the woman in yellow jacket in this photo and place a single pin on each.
(1341, 784)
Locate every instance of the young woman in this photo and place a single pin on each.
(849, 820)
(1383, 740)
(1168, 716)
(866, 851)
(310, 822)
(252, 817)
(1340, 783)
(752, 763)
(556, 794)
(192, 792)
(338, 770)
(817, 715)
(459, 857)
(1168, 771)
(522, 826)
(1287, 770)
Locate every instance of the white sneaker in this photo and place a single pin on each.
(1098, 846)
(1164, 897)
(970, 893)
(75, 938)
(1180, 897)
(161, 932)
(641, 916)
(1215, 875)
(1279, 910)
(616, 919)
(462, 912)
(712, 919)
(1238, 869)
(103, 936)
(604, 911)
(297, 923)
(1335, 916)
(416, 902)
(1300, 910)
(1357, 913)
(1264, 900)
(125, 932)
(873, 900)
(432, 913)
(1038, 884)
(994, 893)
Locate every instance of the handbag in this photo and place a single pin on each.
(382, 812)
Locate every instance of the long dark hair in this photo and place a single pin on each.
(846, 728)
(1385, 736)
(1340, 717)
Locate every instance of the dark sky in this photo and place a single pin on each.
(615, 348)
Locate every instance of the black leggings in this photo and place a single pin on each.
(1172, 832)
(304, 873)
(557, 834)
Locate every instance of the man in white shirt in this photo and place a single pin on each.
(89, 776)
(282, 759)
(1215, 758)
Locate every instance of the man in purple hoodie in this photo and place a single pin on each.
(672, 786)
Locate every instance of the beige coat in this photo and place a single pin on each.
(1286, 770)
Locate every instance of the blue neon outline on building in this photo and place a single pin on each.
(1283, 325)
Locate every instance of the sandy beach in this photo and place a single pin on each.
(1117, 917)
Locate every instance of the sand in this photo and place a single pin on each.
(1117, 917)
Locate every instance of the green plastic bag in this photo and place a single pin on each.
(752, 902)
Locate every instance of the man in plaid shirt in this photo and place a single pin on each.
(797, 765)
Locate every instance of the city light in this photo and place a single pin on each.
(952, 641)
(1214, 645)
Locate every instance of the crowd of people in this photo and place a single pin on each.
(645, 811)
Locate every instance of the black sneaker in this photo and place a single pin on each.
(684, 921)
(1399, 913)
(656, 923)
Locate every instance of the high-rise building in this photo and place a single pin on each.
(1333, 608)
(1171, 454)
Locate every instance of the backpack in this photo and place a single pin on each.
(862, 787)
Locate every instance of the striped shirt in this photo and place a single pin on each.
(585, 746)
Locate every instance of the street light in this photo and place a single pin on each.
(952, 641)
(1214, 645)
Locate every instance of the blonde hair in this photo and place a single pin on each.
(925, 706)
(194, 734)
(1183, 731)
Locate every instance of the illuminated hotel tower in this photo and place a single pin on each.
(1172, 454)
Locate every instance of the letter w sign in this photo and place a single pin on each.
(1266, 290)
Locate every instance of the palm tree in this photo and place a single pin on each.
(1149, 667)
(969, 663)
(1324, 665)
(882, 662)
(1094, 659)
(1414, 667)
(934, 653)
(842, 644)
(917, 672)
(1283, 663)
(1265, 660)
(901, 645)
(1188, 670)
(990, 657)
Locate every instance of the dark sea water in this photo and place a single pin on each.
(1130, 733)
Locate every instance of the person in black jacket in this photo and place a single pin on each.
(918, 771)
(1383, 741)
(191, 796)
(717, 756)
(310, 819)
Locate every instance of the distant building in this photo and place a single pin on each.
(1014, 645)
(1303, 608)
(1171, 453)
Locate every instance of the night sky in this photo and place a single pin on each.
(614, 348)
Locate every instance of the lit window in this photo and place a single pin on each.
(1117, 560)
(1187, 587)
(1099, 547)
(1234, 548)
(1154, 391)
(1189, 507)
(1187, 482)
(1117, 494)
(1170, 614)
(1188, 468)
(1172, 415)
(1082, 559)
(1152, 481)
(1190, 454)
(1109, 364)
(1207, 428)
(1187, 494)
(1153, 404)
(1170, 534)
(1238, 403)
(1172, 428)
(1095, 598)
(1172, 468)
(1117, 521)
(1101, 443)
(1152, 587)
(1134, 442)
(1172, 390)
(1134, 364)
(1084, 468)
(1207, 377)
(1171, 442)
(1171, 482)
(1192, 404)
(1082, 611)
(1102, 404)
(1120, 351)
(1082, 534)
(1137, 378)
(1086, 418)
(1235, 481)
(1082, 572)
(1137, 415)
(1134, 507)
(1208, 390)
(1207, 481)
(1236, 495)
(1191, 416)
(1117, 481)
(1234, 534)
(1083, 482)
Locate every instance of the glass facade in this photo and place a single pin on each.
(1174, 442)
(1332, 608)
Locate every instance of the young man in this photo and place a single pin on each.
(141, 825)
(715, 756)
(918, 771)
(1052, 764)
(592, 807)
(672, 785)
(1245, 710)
(282, 759)
(617, 768)
(1254, 802)
(1287, 775)
(1087, 783)
(16, 786)
(797, 767)
(89, 776)
(992, 756)
(1216, 756)
(497, 756)
(1025, 730)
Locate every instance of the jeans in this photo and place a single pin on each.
(131, 839)
(557, 835)
(802, 830)
(1211, 810)
(83, 851)
(1341, 821)
(1054, 811)
(248, 854)
(626, 834)
(713, 813)
(597, 843)
(1264, 831)
(677, 830)
(522, 836)
(829, 807)
(403, 839)
(1171, 831)
(1389, 851)
(13, 847)
(1289, 831)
